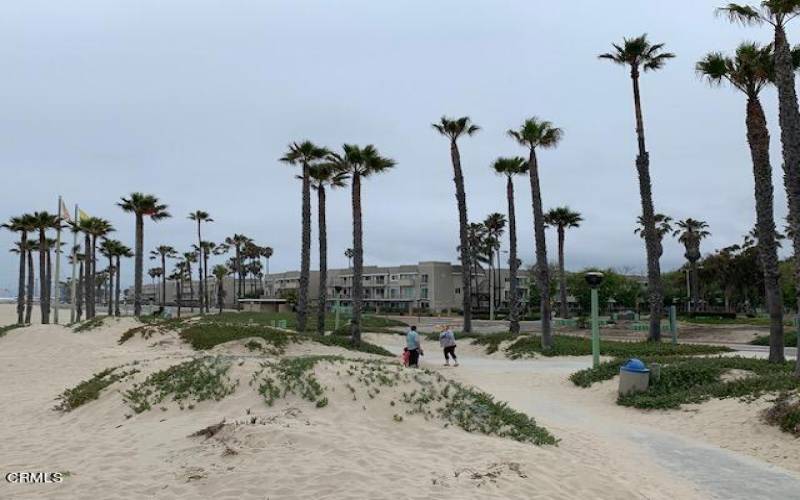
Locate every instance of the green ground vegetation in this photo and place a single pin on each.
(789, 339)
(692, 379)
(89, 390)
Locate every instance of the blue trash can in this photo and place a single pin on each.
(634, 376)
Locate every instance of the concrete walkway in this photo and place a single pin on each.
(717, 472)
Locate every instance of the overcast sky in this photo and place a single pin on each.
(195, 101)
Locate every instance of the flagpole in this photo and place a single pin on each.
(57, 277)
(74, 266)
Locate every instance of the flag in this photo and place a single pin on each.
(82, 216)
(64, 212)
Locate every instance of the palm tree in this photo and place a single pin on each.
(453, 129)
(358, 163)
(120, 251)
(562, 218)
(237, 242)
(305, 154)
(22, 224)
(155, 272)
(200, 216)
(750, 71)
(509, 167)
(220, 271)
(778, 13)
(207, 248)
(190, 258)
(495, 224)
(323, 175)
(349, 254)
(42, 222)
(141, 205)
(93, 227)
(78, 258)
(108, 250)
(639, 54)
(162, 253)
(535, 133)
(690, 232)
(267, 252)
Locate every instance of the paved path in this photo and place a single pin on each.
(717, 472)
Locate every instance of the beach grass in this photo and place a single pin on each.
(89, 390)
(526, 346)
(7, 328)
(687, 380)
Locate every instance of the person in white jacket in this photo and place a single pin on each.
(447, 339)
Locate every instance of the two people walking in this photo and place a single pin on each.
(413, 348)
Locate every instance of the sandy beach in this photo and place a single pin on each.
(355, 448)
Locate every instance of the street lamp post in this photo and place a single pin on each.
(594, 279)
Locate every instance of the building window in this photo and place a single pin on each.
(424, 278)
(458, 291)
(423, 293)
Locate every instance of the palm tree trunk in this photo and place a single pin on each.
(29, 298)
(498, 279)
(93, 263)
(652, 241)
(163, 280)
(138, 264)
(44, 300)
(178, 294)
(463, 222)
(513, 315)
(110, 287)
(542, 272)
(323, 261)
(220, 295)
(79, 293)
(758, 139)
(205, 281)
(23, 243)
(305, 252)
(49, 278)
(191, 285)
(358, 260)
(695, 285)
(789, 118)
(117, 289)
(200, 267)
(238, 284)
(562, 275)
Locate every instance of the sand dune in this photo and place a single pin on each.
(347, 449)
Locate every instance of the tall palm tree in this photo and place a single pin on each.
(690, 232)
(94, 228)
(237, 242)
(562, 218)
(305, 154)
(640, 55)
(77, 257)
(108, 250)
(207, 248)
(220, 271)
(267, 252)
(495, 224)
(120, 251)
(327, 174)
(200, 216)
(750, 71)
(533, 134)
(162, 253)
(43, 222)
(778, 13)
(141, 205)
(22, 224)
(454, 129)
(358, 163)
(190, 258)
(509, 167)
(155, 272)
(349, 254)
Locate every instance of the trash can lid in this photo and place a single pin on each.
(634, 365)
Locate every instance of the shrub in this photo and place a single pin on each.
(196, 380)
(564, 345)
(89, 390)
(784, 413)
(207, 335)
(789, 339)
